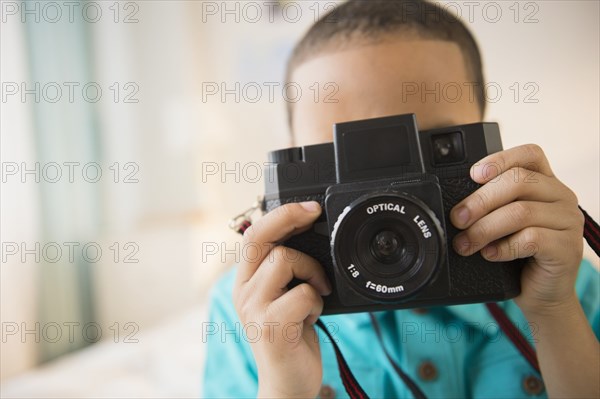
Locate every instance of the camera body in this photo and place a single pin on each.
(385, 237)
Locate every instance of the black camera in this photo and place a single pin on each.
(385, 237)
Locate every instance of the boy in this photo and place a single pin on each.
(370, 50)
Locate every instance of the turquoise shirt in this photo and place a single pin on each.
(450, 352)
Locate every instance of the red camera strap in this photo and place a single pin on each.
(352, 386)
(591, 232)
(414, 388)
(514, 334)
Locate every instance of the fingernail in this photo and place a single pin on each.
(311, 206)
(490, 252)
(462, 215)
(474, 171)
(461, 245)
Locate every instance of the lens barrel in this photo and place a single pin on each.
(387, 245)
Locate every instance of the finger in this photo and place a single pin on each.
(509, 219)
(276, 226)
(530, 157)
(546, 245)
(502, 191)
(301, 303)
(280, 267)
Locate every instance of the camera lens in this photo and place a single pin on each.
(448, 148)
(387, 245)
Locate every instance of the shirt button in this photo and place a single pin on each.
(420, 310)
(533, 385)
(428, 371)
(326, 392)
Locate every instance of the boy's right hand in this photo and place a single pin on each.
(286, 346)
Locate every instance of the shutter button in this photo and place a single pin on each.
(428, 371)
(533, 385)
(326, 392)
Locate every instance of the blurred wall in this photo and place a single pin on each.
(19, 208)
(191, 153)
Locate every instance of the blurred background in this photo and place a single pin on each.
(131, 131)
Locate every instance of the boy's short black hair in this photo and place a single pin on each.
(373, 20)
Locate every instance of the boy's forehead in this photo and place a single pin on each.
(386, 78)
(406, 53)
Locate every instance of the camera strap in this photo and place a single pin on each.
(352, 386)
(414, 388)
(240, 223)
(591, 232)
(514, 334)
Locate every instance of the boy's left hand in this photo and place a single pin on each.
(522, 210)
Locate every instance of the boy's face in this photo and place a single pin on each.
(377, 80)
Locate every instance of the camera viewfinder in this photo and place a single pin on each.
(448, 148)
